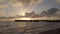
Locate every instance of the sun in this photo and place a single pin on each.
(25, 18)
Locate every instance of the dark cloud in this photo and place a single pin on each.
(50, 12)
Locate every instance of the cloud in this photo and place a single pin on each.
(7, 6)
(24, 2)
(2, 13)
(2, 0)
(58, 1)
(2, 6)
(50, 12)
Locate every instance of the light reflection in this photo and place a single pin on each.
(22, 24)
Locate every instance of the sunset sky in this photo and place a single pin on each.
(19, 7)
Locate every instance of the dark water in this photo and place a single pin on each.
(10, 27)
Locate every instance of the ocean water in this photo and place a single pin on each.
(11, 27)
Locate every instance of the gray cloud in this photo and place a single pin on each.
(2, 0)
(50, 12)
(24, 2)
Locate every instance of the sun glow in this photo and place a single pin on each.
(25, 18)
(23, 14)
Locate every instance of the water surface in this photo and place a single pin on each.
(11, 27)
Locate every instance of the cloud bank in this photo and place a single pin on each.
(24, 2)
(9, 6)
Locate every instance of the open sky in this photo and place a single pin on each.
(19, 7)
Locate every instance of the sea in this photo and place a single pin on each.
(12, 27)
